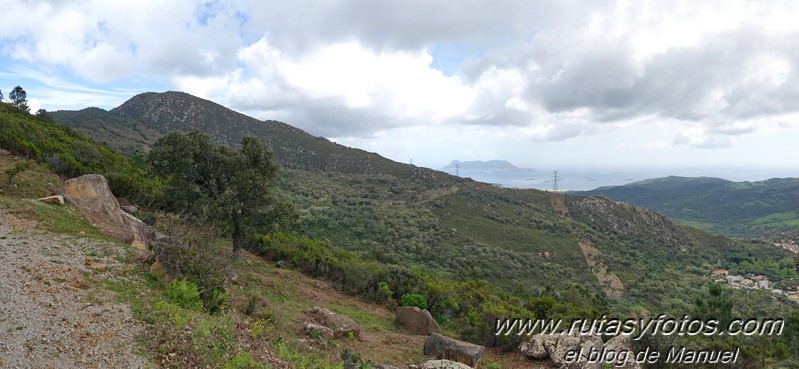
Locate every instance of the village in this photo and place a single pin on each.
(750, 281)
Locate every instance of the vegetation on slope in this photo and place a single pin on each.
(493, 250)
(69, 153)
(177, 111)
(738, 209)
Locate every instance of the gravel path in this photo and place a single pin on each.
(53, 313)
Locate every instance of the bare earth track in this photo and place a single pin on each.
(53, 314)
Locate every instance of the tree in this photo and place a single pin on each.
(1, 95)
(716, 306)
(44, 115)
(19, 98)
(229, 185)
(248, 173)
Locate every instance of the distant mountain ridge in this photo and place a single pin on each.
(742, 209)
(477, 165)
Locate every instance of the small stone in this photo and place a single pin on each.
(95, 265)
(57, 199)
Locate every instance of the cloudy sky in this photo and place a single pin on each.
(710, 85)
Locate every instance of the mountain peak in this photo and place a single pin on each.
(139, 121)
(482, 165)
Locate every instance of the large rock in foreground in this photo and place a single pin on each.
(341, 325)
(91, 195)
(557, 350)
(417, 321)
(556, 346)
(621, 344)
(536, 348)
(442, 347)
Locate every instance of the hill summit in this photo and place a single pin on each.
(491, 165)
(140, 121)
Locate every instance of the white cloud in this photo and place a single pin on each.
(708, 74)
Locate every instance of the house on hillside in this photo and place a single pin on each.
(719, 273)
(761, 281)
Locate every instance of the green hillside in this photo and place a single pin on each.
(69, 153)
(397, 213)
(738, 209)
(476, 252)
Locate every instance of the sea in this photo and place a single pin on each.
(584, 179)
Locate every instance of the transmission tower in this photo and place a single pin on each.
(457, 170)
(555, 180)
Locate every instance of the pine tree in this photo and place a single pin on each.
(19, 98)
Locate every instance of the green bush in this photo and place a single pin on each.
(191, 251)
(243, 361)
(413, 299)
(18, 168)
(385, 291)
(184, 293)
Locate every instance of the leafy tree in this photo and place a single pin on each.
(1, 95)
(139, 159)
(229, 185)
(19, 98)
(44, 115)
(716, 306)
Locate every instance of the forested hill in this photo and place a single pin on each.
(400, 214)
(138, 122)
(739, 209)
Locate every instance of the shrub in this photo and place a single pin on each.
(185, 294)
(191, 251)
(413, 299)
(385, 291)
(18, 168)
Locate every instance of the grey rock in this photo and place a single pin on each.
(536, 348)
(316, 330)
(341, 325)
(130, 209)
(442, 347)
(444, 364)
(620, 344)
(91, 195)
(416, 320)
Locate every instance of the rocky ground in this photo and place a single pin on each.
(53, 311)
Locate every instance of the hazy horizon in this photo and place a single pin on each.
(588, 178)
